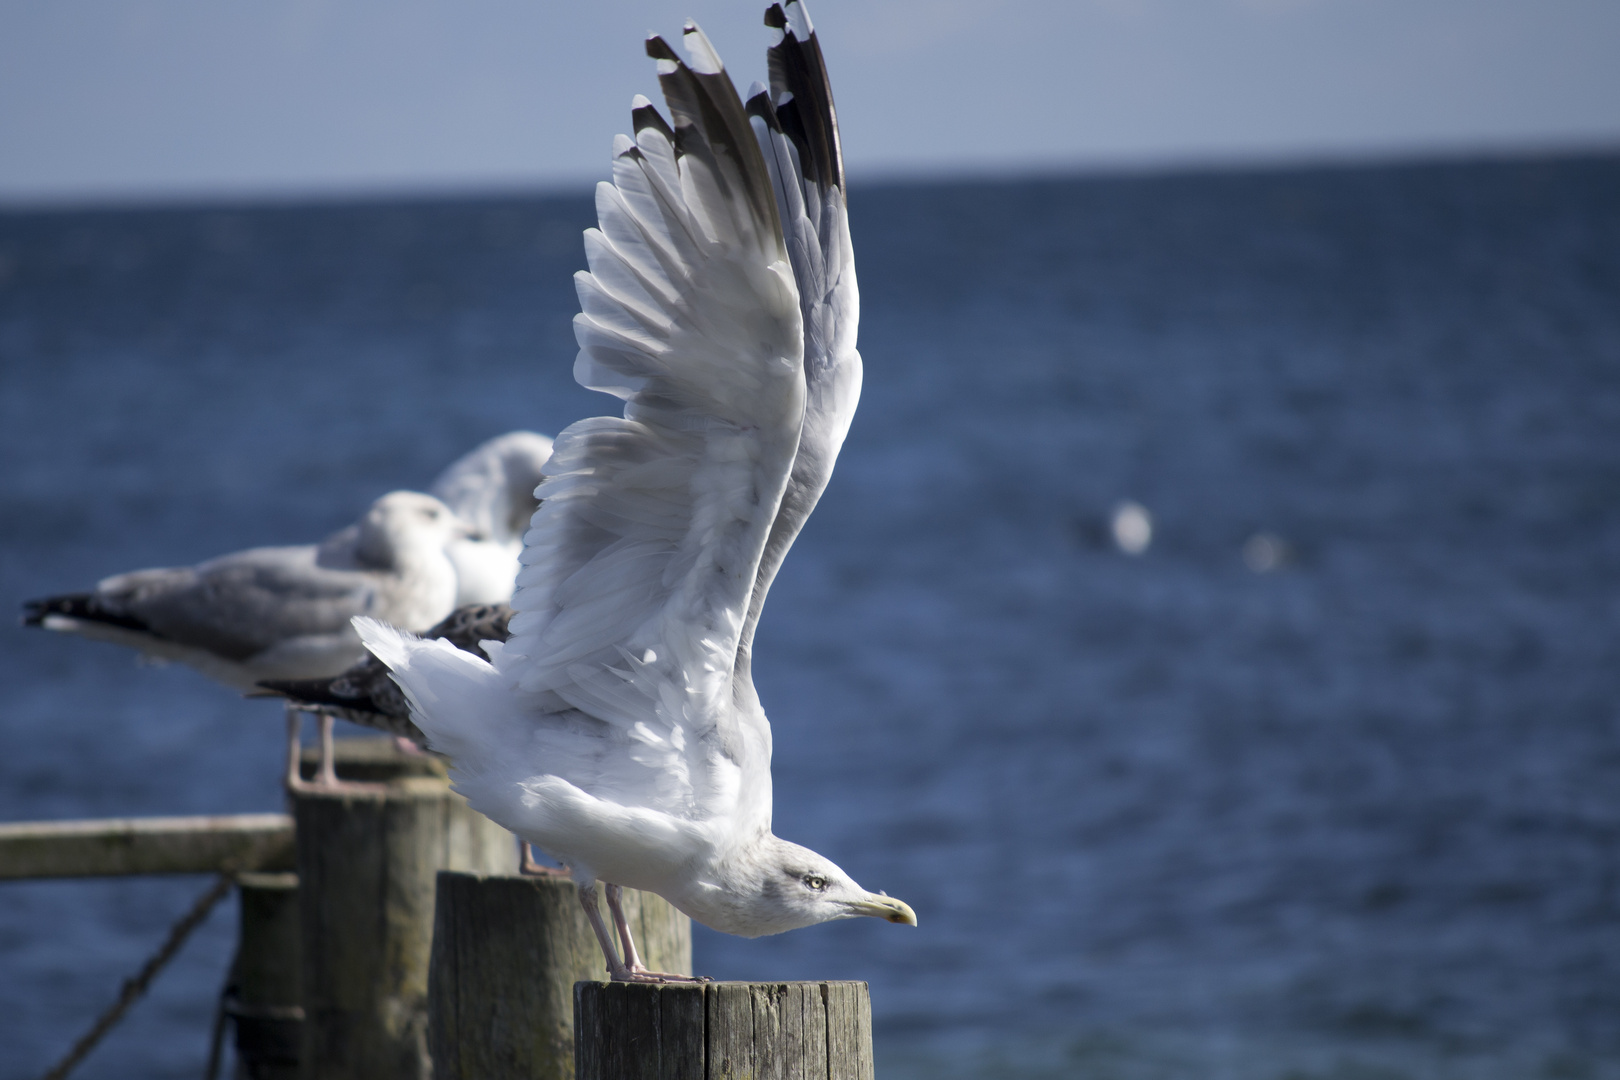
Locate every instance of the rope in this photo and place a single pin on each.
(136, 985)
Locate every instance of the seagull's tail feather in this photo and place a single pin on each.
(456, 698)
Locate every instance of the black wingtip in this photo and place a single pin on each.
(648, 116)
(803, 93)
(760, 105)
(659, 49)
(83, 606)
(709, 120)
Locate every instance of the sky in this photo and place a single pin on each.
(108, 100)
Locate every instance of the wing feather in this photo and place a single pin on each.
(796, 125)
(639, 566)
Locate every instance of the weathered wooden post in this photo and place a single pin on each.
(366, 867)
(723, 1031)
(266, 999)
(507, 952)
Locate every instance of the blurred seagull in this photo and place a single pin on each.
(365, 694)
(491, 488)
(278, 612)
(618, 728)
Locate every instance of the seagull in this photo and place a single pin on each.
(278, 612)
(491, 488)
(618, 728)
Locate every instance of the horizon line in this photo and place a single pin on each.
(328, 193)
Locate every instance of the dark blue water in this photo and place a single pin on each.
(1161, 817)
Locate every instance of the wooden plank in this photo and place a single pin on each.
(849, 1030)
(367, 863)
(724, 1031)
(729, 1036)
(680, 1034)
(507, 952)
(154, 845)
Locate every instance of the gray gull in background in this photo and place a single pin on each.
(491, 488)
(278, 612)
(618, 728)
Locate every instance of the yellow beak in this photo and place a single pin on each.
(885, 907)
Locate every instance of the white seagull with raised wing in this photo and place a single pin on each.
(618, 728)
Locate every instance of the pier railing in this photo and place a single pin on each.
(111, 847)
(385, 934)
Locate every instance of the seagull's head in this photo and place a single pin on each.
(797, 887)
(402, 523)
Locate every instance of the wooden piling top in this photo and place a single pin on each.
(723, 1030)
(372, 758)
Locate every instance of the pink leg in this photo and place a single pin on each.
(617, 970)
(295, 723)
(631, 959)
(326, 779)
(529, 866)
(632, 962)
(587, 899)
(327, 776)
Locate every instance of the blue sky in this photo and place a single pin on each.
(107, 99)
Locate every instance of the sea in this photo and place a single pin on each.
(1323, 783)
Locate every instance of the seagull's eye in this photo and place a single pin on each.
(815, 882)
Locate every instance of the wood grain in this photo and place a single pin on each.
(507, 952)
(366, 869)
(724, 1031)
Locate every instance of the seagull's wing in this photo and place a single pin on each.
(640, 562)
(643, 556)
(797, 128)
(240, 604)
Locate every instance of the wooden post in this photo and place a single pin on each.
(723, 1031)
(266, 994)
(366, 866)
(507, 952)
